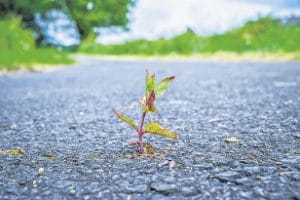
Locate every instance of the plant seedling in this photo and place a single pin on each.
(152, 92)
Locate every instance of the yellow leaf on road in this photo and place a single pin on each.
(231, 139)
(155, 128)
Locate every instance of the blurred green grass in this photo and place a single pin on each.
(264, 35)
(263, 39)
(18, 50)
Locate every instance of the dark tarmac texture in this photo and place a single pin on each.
(76, 148)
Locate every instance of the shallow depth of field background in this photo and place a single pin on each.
(50, 32)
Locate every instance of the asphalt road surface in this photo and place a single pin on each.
(76, 148)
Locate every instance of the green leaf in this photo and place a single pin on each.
(155, 128)
(163, 85)
(150, 84)
(126, 119)
(152, 108)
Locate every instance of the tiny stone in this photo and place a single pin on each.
(164, 188)
(295, 176)
(164, 163)
(115, 177)
(252, 170)
(72, 191)
(214, 120)
(34, 183)
(100, 195)
(227, 176)
(34, 191)
(137, 189)
(171, 164)
(169, 179)
(41, 171)
(47, 193)
(23, 190)
(206, 166)
(189, 180)
(259, 191)
(242, 181)
(189, 191)
(13, 126)
(246, 195)
(123, 184)
(124, 175)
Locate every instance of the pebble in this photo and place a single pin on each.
(13, 126)
(205, 166)
(295, 176)
(72, 191)
(189, 191)
(47, 193)
(137, 189)
(123, 183)
(227, 176)
(243, 181)
(41, 171)
(34, 191)
(259, 191)
(170, 179)
(246, 195)
(164, 188)
(252, 170)
(115, 177)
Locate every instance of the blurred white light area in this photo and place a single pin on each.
(58, 28)
(152, 19)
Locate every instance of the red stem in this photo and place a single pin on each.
(140, 132)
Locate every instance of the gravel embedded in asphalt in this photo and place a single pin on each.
(77, 148)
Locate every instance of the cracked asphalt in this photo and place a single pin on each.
(76, 148)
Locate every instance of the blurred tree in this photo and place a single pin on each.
(92, 13)
(86, 13)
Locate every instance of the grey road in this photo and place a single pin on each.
(63, 121)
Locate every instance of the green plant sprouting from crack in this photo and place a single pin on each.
(152, 92)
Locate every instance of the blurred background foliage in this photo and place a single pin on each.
(22, 40)
(263, 35)
(21, 37)
(18, 48)
(86, 14)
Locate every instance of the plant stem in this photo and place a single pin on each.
(140, 132)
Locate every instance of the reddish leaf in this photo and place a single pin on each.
(163, 85)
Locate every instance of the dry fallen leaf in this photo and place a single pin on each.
(148, 149)
(285, 173)
(231, 139)
(15, 152)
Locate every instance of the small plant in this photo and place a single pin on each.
(152, 92)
